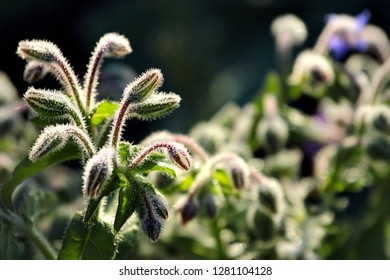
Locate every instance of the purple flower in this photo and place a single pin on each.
(347, 35)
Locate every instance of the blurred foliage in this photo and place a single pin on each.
(290, 153)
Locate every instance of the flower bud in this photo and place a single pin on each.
(189, 210)
(289, 31)
(34, 71)
(39, 50)
(378, 147)
(263, 226)
(49, 141)
(311, 69)
(51, 56)
(271, 196)
(272, 133)
(239, 173)
(159, 206)
(53, 138)
(98, 171)
(52, 104)
(155, 107)
(151, 227)
(210, 206)
(113, 45)
(380, 118)
(179, 155)
(151, 210)
(143, 86)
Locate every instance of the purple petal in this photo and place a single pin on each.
(361, 45)
(362, 19)
(338, 47)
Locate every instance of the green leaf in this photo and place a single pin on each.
(87, 243)
(104, 110)
(27, 168)
(126, 205)
(38, 203)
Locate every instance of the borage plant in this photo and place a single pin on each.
(80, 127)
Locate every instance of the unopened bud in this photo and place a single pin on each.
(98, 172)
(180, 156)
(272, 133)
(151, 210)
(289, 31)
(378, 147)
(49, 141)
(264, 226)
(271, 196)
(114, 45)
(155, 107)
(34, 71)
(52, 104)
(152, 228)
(380, 118)
(143, 86)
(160, 207)
(240, 174)
(189, 210)
(210, 206)
(38, 49)
(311, 69)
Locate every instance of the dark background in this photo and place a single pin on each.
(210, 51)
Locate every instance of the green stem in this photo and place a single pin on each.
(216, 232)
(32, 232)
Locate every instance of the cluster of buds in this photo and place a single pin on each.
(73, 107)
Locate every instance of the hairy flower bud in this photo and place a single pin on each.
(113, 45)
(271, 196)
(263, 225)
(179, 155)
(34, 71)
(152, 228)
(54, 138)
(239, 173)
(311, 69)
(38, 49)
(155, 107)
(209, 205)
(272, 133)
(380, 118)
(98, 172)
(151, 210)
(289, 31)
(188, 210)
(176, 152)
(52, 104)
(50, 55)
(378, 146)
(143, 86)
(49, 141)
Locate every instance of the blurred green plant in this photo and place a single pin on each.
(267, 180)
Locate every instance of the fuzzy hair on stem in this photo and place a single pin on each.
(177, 153)
(139, 90)
(110, 45)
(49, 54)
(54, 138)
